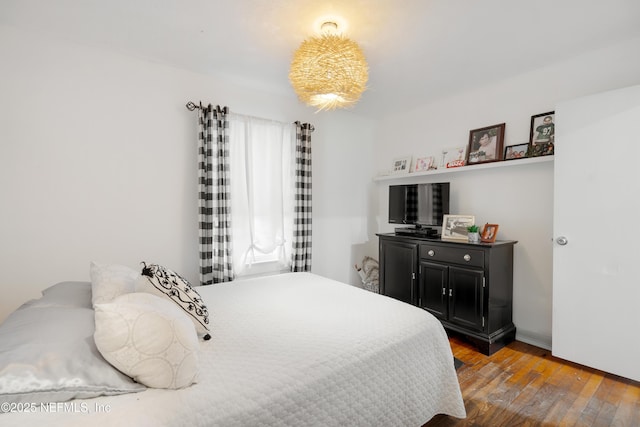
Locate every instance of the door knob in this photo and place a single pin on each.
(562, 240)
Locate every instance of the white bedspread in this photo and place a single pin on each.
(294, 350)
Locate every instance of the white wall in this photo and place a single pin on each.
(342, 184)
(98, 162)
(519, 199)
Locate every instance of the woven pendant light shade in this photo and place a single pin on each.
(329, 72)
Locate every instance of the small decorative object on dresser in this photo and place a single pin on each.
(485, 144)
(474, 234)
(489, 233)
(454, 227)
(401, 165)
(542, 134)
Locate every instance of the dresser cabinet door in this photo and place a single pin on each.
(398, 262)
(465, 304)
(433, 289)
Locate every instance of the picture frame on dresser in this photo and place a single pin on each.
(542, 134)
(454, 227)
(485, 144)
(489, 233)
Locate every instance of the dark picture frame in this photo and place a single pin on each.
(489, 233)
(517, 151)
(485, 144)
(542, 134)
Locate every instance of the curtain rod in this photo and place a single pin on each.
(191, 106)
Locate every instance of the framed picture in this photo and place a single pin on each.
(517, 151)
(454, 227)
(489, 233)
(453, 157)
(401, 165)
(542, 134)
(485, 144)
(423, 164)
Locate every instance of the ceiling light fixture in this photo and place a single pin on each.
(329, 71)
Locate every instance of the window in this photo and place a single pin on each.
(261, 158)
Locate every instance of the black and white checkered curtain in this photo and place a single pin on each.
(214, 196)
(301, 251)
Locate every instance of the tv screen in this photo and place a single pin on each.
(418, 204)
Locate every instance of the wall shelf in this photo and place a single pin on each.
(493, 165)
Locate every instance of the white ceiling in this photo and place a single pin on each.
(418, 50)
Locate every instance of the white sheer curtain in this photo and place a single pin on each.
(262, 155)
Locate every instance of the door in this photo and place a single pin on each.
(398, 262)
(596, 285)
(433, 289)
(465, 302)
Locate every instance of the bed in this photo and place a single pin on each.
(294, 349)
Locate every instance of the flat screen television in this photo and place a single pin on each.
(422, 205)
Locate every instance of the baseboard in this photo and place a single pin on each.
(539, 340)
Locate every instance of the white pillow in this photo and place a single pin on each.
(149, 339)
(160, 281)
(110, 280)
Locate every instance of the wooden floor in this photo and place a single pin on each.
(523, 385)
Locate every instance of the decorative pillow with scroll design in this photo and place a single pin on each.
(160, 281)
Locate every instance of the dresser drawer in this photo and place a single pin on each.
(463, 255)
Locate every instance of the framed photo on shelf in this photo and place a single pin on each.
(423, 164)
(518, 151)
(489, 233)
(542, 134)
(485, 144)
(454, 227)
(401, 165)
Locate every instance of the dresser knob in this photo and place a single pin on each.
(467, 257)
(431, 253)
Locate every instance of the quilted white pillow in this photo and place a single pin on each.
(148, 338)
(165, 283)
(110, 280)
